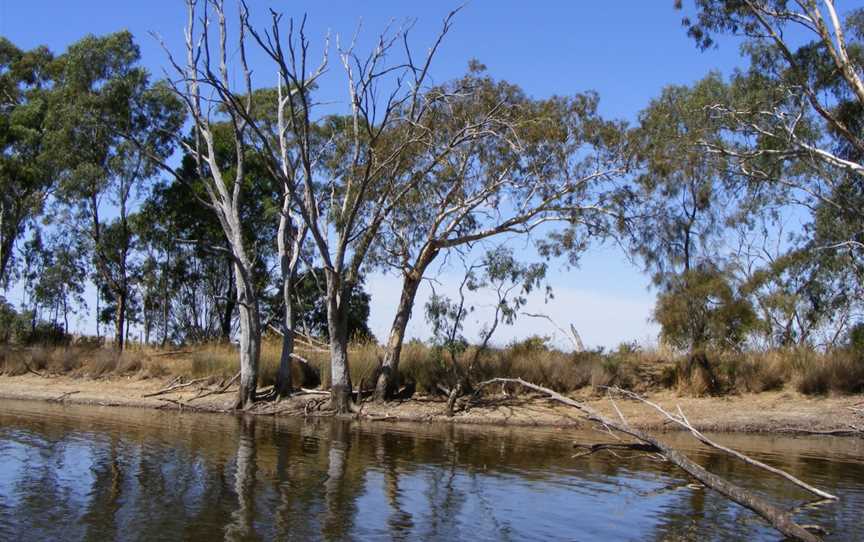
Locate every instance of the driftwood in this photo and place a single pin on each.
(778, 518)
(186, 406)
(221, 389)
(853, 430)
(175, 387)
(612, 446)
(681, 419)
(62, 396)
(307, 391)
(34, 371)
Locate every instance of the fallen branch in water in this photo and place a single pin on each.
(175, 387)
(62, 396)
(194, 408)
(779, 519)
(851, 432)
(681, 419)
(612, 446)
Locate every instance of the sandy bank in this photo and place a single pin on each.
(781, 411)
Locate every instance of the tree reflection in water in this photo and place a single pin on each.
(73, 473)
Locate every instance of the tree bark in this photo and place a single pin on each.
(250, 339)
(289, 242)
(120, 321)
(388, 377)
(337, 324)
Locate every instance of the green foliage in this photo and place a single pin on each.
(26, 176)
(310, 305)
(701, 308)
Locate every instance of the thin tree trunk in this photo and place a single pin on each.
(120, 322)
(388, 377)
(227, 316)
(165, 298)
(250, 340)
(289, 242)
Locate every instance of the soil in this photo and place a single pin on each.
(771, 412)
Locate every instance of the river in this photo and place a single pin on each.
(97, 473)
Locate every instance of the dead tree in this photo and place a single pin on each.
(204, 86)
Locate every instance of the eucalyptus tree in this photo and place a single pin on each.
(61, 281)
(25, 174)
(685, 200)
(345, 183)
(538, 162)
(100, 101)
(178, 231)
(795, 115)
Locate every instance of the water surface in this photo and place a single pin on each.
(92, 473)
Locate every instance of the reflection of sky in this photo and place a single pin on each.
(54, 476)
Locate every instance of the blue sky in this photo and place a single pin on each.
(626, 51)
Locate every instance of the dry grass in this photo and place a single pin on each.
(698, 374)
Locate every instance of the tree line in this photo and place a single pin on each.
(205, 206)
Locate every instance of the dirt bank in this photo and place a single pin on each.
(782, 411)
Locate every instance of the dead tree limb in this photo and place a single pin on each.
(175, 387)
(171, 353)
(779, 519)
(219, 390)
(681, 419)
(34, 371)
(60, 398)
(612, 446)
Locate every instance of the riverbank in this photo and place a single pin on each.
(767, 412)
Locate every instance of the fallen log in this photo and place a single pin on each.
(682, 420)
(778, 518)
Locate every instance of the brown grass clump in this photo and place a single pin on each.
(700, 373)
